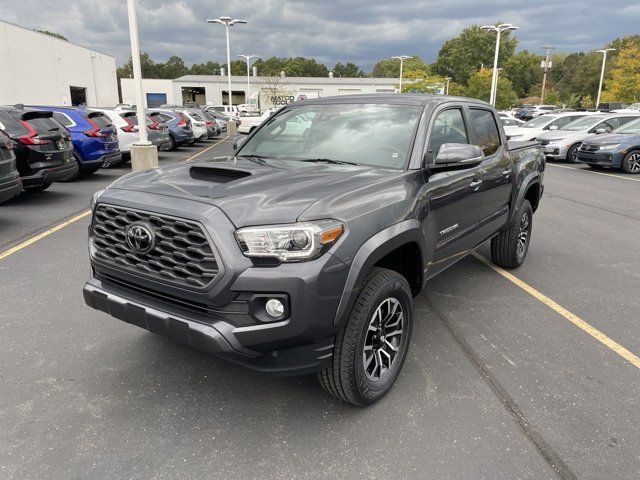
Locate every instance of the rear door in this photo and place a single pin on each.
(497, 168)
(454, 196)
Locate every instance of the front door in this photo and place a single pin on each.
(454, 197)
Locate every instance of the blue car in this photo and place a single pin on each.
(94, 137)
(618, 149)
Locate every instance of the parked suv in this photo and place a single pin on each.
(10, 184)
(157, 132)
(43, 148)
(532, 111)
(302, 252)
(94, 137)
(618, 149)
(180, 131)
(564, 144)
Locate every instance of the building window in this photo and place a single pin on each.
(156, 99)
(193, 95)
(78, 95)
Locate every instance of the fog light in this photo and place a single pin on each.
(274, 307)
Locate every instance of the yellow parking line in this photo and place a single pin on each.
(202, 151)
(595, 173)
(577, 321)
(46, 233)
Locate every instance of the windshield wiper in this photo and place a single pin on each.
(259, 159)
(328, 160)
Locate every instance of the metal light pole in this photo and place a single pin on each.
(143, 154)
(503, 27)
(546, 66)
(604, 60)
(446, 88)
(248, 59)
(402, 58)
(495, 87)
(227, 22)
(93, 72)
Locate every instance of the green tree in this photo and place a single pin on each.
(390, 67)
(461, 56)
(348, 70)
(238, 67)
(420, 81)
(479, 86)
(172, 68)
(523, 70)
(305, 67)
(271, 66)
(52, 34)
(206, 68)
(587, 102)
(578, 74)
(149, 68)
(623, 84)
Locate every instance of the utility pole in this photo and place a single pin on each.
(546, 64)
(446, 88)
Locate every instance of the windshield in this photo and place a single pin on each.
(631, 128)
(539, 122)
(369, 134)
(634, 106)
(583, 124)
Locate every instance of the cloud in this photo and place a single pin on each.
(361, 31)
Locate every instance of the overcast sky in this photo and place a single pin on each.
(329, 30)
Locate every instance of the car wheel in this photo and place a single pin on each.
(509, 248)
(572, 154)
(370, 350)
(631, 162)
(172, 143)
(78, 170)
(37, 188)
(252, 129)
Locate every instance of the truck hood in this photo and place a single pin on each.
(255, 192)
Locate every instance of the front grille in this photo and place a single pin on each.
(588, 147)
(181, 254)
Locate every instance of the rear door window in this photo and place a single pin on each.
(44, 125)
(10, 125)
(63, 119)
(485, 130)
(448, 127)
(131, 117)
(101, 120)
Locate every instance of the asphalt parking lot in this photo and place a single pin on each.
(497, 385)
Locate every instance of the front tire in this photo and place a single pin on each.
(370, 350)
(572, 153)
(509, 248)
(631, 162)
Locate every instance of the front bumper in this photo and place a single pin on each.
(606, 159)
(555, 151)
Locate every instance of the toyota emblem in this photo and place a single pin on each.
(140, 237)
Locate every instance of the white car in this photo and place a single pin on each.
(127, 131)
(232, 111)
(564, 144)
(198, 123)
(633, 108)
(535, 127)
(249, 124)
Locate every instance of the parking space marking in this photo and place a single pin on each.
(202, 151)
(595, 173)
(577, 321)
(42, 235)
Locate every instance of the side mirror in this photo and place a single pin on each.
(456, 155)
(553, 127)
(601, 130)
(238, 141)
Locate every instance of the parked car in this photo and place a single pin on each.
(249, 124)
(43, 148)
(609, 106)
(213, 129)
(564, 144)
(221, 119)
(180, 131)
(618, 149)
(94, 137)
(10, 183)
(230, 111)
(535, 127)
(198, 123)
(633, 108)
(511, 122)
(532, 111)
(318, 241)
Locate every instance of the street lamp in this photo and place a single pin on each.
(604, 60)
(446, 88)
(227, 22)
(402, 58)
(503, 27)
(248, 59)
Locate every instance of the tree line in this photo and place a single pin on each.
(467, 60)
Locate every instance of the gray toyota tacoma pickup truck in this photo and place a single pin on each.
(302, 251)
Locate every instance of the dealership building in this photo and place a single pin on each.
(41, 69)
(263, 91)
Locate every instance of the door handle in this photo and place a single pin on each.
(475, 184)
(507, 171)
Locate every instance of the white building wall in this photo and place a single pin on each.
(39, 69)
(149, 85)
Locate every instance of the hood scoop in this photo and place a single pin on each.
(217, 175)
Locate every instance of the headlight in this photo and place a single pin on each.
(296, 242)
(95, 198)
(609, 147)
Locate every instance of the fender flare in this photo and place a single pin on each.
(531, 179)
(370, 253)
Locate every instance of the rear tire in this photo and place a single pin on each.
(572, 154)
(370, 350)
(631, 162)
(78, 170)
(509, 248)
(172, 144)
(37, 188)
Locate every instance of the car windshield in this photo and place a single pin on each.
(631, 128)
(584, 123)
(369, 134)
(539, 122)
